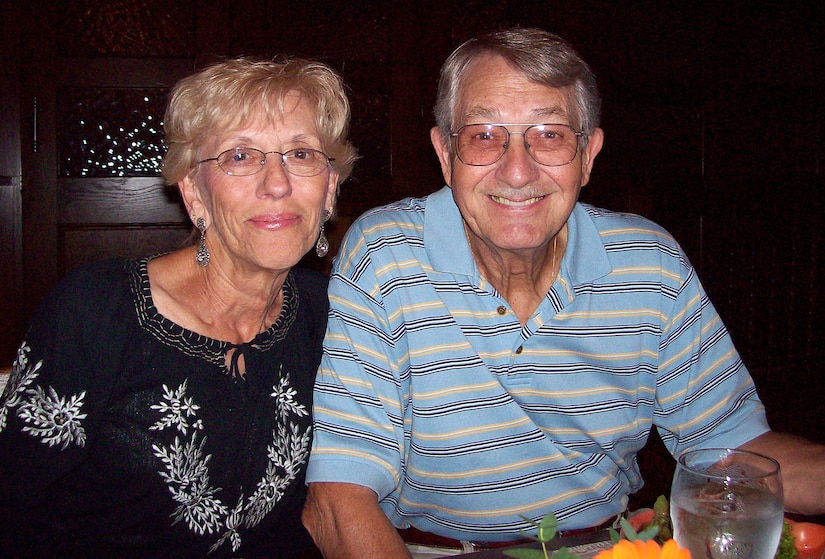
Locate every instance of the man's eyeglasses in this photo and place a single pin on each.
(552, 145)
(301, 162)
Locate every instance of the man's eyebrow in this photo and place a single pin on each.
(550, 111)
(490, 115)
(481, 113)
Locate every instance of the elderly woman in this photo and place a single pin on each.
(160, 407)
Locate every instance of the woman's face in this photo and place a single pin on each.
(267, 221)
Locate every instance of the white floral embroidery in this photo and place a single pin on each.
(52, 418)
(21, 377)
(177, 409)
(284, 396)
(233, 522)
(287, 452)
(187, 472)
(187, 475)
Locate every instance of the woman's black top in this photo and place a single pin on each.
(124, 435)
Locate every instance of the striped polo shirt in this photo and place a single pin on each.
(466, 423)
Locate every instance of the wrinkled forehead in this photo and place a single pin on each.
(492, 90)
(545, 114)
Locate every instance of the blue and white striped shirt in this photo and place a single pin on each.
(432, 393)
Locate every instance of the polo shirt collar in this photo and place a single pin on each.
(585, 259)
(444, 237)
(449, 251)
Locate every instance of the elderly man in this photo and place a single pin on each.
(498, 350)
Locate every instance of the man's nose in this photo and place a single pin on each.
(517, 166)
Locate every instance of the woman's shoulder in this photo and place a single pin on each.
(310, 282)
(91, 287)
(96, 278)
(310, 288)
(112, 269)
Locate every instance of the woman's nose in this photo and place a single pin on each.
(275, 178)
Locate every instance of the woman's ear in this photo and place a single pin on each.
(332, 191)
(191, 195)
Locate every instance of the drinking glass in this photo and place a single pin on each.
(727, 504)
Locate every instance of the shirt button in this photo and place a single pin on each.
(501, 310)
(519, 350)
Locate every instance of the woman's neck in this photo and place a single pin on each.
(215, 301)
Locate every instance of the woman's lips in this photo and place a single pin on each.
(274, 221)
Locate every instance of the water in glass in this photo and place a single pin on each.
(726, 505)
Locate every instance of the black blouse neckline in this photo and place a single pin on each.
(198, 345)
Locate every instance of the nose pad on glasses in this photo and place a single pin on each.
(275, 176)
(525, 143)
(518, 162)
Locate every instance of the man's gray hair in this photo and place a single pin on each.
(541, 56)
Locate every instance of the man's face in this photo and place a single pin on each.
(515, 204)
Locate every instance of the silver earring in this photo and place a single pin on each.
(322, 246)
(202, 255)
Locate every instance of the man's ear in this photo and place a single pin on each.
(443, 152)
(594, 146)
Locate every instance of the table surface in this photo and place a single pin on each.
(583, 545)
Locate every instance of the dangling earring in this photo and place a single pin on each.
(322, 246)
(202, 255)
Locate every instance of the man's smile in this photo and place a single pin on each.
(518, 203)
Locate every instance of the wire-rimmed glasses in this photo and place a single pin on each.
(552, 145)
(301, 162)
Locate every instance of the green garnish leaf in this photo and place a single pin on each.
(648, 533)
(787, 548)
(525, 553)
(628, 529)
(564, 553)
(547, 528)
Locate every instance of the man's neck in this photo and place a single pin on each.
(523, 278)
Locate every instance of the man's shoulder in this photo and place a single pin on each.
(403, 218)
(407, 209)
(614, 223)
(383, 235)
(631, 240)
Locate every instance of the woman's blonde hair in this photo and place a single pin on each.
(233, 93)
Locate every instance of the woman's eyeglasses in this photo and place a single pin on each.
(242, 162)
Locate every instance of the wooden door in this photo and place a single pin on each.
(11, 248)
(91, 149)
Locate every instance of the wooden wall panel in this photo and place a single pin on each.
(118, 200)
(712, 113)
(11, 243)
(81, 245)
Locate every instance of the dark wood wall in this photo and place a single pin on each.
(713, 114)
